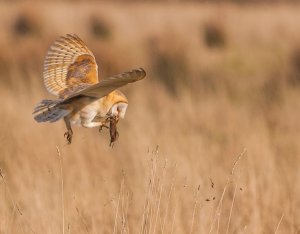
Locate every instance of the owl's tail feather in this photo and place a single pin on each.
(49, 110)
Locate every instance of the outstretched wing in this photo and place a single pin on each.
(69, 64)
(109, 84)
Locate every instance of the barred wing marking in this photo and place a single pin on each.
(69, 64)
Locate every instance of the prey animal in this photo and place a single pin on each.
(71, 74)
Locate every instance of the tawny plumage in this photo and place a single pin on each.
(71, 74)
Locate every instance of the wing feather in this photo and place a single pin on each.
(109, 84)
(69, 64)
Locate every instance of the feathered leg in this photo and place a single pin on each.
(69, 133)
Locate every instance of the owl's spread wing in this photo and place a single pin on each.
(109, 84)
(68, 66)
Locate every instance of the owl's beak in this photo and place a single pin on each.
(114, 114)
(117, 118)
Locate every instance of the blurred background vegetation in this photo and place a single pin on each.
(221, 76)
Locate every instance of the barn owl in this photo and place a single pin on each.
(71, 74)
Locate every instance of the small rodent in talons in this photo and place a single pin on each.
(113, 130)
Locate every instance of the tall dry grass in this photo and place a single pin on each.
(220, 78)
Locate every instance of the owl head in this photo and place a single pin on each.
(117, 103)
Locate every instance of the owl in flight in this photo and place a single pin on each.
(71, 74)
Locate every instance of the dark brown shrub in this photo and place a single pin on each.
(168, 61)
(26, 24)
(272, 91)
(214, 35)
(99, 28)
(170, 68)
(294, 77)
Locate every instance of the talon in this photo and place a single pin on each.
(103, 126)
(68, 135)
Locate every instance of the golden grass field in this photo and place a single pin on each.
(210, 142)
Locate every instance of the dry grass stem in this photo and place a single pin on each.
(174, 215)
(231, 208)
(82, 220)
(280, 220)
(15, 207)
(161, 181)
(195, 207)
(62, 189)
(167, 208)
(117, 208)
(218, 212)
